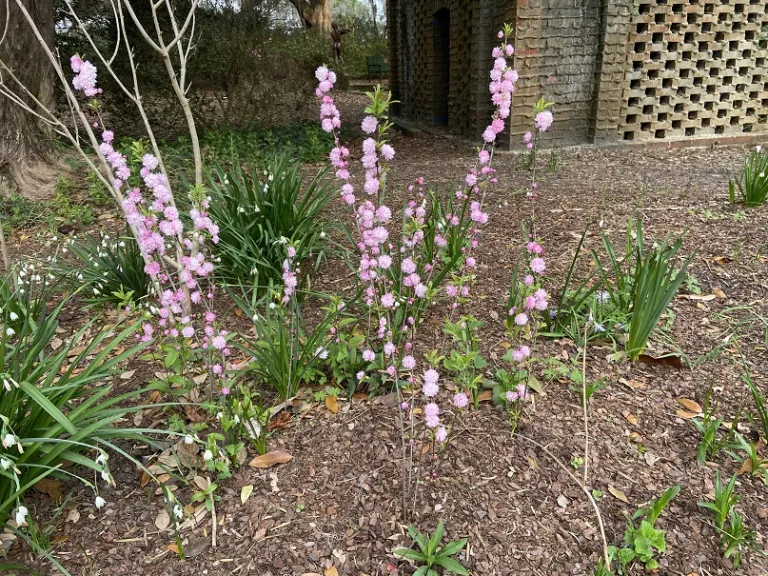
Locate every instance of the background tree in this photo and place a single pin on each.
(26, 147)
(314, 14)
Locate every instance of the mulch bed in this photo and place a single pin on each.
(337, 504)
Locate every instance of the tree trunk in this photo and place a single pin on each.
(374, 12)
(26, 146)
(314, 14)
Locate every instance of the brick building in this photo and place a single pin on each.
(640, 70)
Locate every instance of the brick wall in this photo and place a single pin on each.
(616, 69)
(557, 43)
(695, 69)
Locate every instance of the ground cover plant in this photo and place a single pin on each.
(287, 368)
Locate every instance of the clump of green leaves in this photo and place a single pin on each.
(645, 281)
(712, 439)
(431, 554)
(112, 270)
(260, 209)
(735, 537)
(464, 360)
(643, 543)
(753, 183)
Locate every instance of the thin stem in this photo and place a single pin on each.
(584, 402)
(583, 488)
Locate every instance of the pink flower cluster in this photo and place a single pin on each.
(85, 76)
(543, 121)
(503, 79)
(174, 259)
(430, 389)
(330, 118)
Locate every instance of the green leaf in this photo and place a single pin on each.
(437, 537)
(422, 571)
(409, 554)
(452, 547)
(451, 565)
(626, 555)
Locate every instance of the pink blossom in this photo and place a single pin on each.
(431, 409)
(534, 248)
(441, 435)
(527, 137)
(219, 342)
(460, 400)
(369, 355)
(543, 120)
(538, 265)
(528, 280)
(432, 421)
(388, 300)
(369, 124)
(409, 362)
(387, 152)
(521, 319)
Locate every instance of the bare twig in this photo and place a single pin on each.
(583, 488)
(584, 400)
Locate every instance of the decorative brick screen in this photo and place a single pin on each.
(641, 70)
(695, 68)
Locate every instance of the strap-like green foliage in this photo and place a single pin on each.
(257, 207)
(753, 184)
(59, 404)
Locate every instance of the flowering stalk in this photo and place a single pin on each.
(177, 260)
(401, 276)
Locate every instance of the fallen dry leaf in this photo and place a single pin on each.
(618, 494)
(722, 260)
(331, 571)
(127, 375)
(50, 487)
(279, 422)
(629, 418)
(690, 405)
(332, 404)
(485, 396)
(633, 384)
(59, 539)
(73, 516)
(163, 520)
(719, 293)
(270, 459)
(670, 360)
(245, 493)
(686, 415)
(698, 297)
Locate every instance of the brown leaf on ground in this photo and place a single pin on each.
(332, 404)
(270, 459)
(50, 487)
(332, 571)
(485, 396)
(629, 417)
(163, 520)
(672, 360)
(690, 405)
(618, 494)
(279, 422)
(719, 293)
(686, 415)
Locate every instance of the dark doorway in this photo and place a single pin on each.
(441, 65)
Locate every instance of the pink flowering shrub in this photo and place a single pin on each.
(177, 255)
(403, 271)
